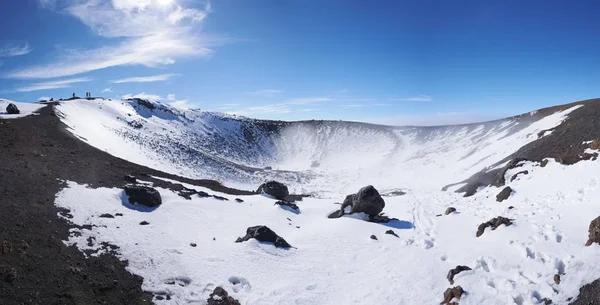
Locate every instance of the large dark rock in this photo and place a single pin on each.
(143, 195)
(494, 223)
(220, 297)
(12, 109)
(367, 201)
(504, 194)
(275, 189)
(264, 234)
(594, 232)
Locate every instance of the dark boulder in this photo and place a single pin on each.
(504, 194)
(373, 237)
(544, 163)
(144, 223)
(220, 198)
(451, 294)
(106, 215)
(494, 223)
(557, 279)
(264, 234)
(239, 200)
(454, 272)
(143, 195)
(275, 189)
(12, 109)
(367, 201)
(594, 232)
(220, 297)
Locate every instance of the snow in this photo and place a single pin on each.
(25, 109)
(205, 145)
(334, 260)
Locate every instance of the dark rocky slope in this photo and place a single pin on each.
(36, 154)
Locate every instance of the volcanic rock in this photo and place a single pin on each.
(220, 297)
(504, 194)
(264, 234)
(275, 189)
(12, 109)
(494, 223)
(143, 195)
(456, 271)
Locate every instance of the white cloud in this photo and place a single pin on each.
(107, 90)
(171, 97)
(265, 92)
(418, 98)
(44, 98)
(144, 96)
(145, 32)
(65, 83)
(183, 104)
(11, 49)
(436, 119)
(145, 79)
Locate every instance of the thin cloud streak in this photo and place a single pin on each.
(145, 79)
(65, 83)
(11, 49)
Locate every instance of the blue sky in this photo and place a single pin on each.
(392, 62)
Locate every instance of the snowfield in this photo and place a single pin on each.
(335, 262)
(25, 109)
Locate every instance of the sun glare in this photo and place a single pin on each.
(165, 3)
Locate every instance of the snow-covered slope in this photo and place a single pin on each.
(334, 261)
(25, 109)
(201, 144)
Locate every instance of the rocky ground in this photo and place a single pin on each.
(36, 154)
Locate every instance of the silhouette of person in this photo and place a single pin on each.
(73, 94)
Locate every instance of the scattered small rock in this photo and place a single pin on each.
(187, 193)
(193, 244)
(391, 232)
(220, 198)
(504, 194)
(452, 293)
(494, 223)
(290, 205)
(594, 232)
(264, 234)
(239, 200)
(275, 189)
(454, 272)
(450, 210)
(557, 279)
(544, 163)
(546, 301)
(517, 174)
(220, 297)
(144, 223)
(106, 215)
(6, 247)
(130, 179)
(143, 195)
(374, 237)
(12, 109)
(119, 214)
(202, 194)
(511, 207)
(11, 276)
